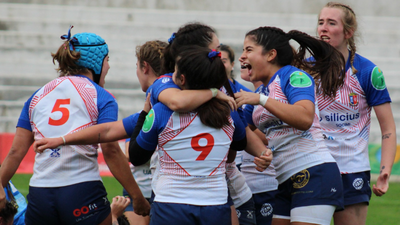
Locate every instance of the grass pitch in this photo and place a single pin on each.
(382, 210)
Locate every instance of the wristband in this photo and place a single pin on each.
(214, 92)
(63, 139)
(263, 99)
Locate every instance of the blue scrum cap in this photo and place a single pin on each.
(93, 50)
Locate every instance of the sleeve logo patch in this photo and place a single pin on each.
(148, 122)
(300, 79)
(377, 79)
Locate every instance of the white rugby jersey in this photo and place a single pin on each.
(66, 105)
(257, 181)
(239, 190)
(293, 149)
(192, 156)
(346, 120)
(142, 175)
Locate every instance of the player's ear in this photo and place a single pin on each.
(182, 79)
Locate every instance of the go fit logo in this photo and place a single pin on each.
(84, 210)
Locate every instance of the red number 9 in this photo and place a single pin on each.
(205, 150)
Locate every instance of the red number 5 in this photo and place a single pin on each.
(63, 110)
(205, 150)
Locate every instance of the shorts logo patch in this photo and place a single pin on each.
(148, 122)
(300, 179)
(377, 79)
(266, 210)
(238, 213)
(353, 99)
(358, 183)
(250, 214)
(300, 79)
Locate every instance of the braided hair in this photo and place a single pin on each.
(349, 21)
(152, 52)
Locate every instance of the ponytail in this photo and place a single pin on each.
(204, 70)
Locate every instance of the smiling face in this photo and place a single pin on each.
(255, 61)
(331, 28)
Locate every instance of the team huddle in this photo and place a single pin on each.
(205, 149)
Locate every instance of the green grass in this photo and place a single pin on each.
(382, 210)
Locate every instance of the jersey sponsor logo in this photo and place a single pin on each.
(148, 122)
(147, 172)
(377, 79)
(327, 137)
(55, 153)
(353, 99)
(358, 183)
(300, 79)
(266, 210)
(336, 117)
(300, 179)
(273, 123)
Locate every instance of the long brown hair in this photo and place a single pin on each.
(67, 61)
(327, 66)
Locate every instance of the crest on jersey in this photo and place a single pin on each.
(300, 179)
(377, 79)
(353, 99)
(300, 79)
(148, 122)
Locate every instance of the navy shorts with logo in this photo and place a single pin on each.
(184, 214)
(246, 213)
(265, 204)
(82, 203)
(356, 187)
(317, 185)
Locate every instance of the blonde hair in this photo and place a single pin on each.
(350, 24)
(152, 53)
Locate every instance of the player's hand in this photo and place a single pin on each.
(118, 205)
(40, 145)
(264, 160)
(244, 97)
(231, 101)
(382, 184)
(147, 104)
(141, 206)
